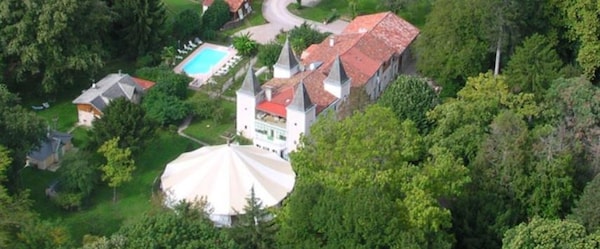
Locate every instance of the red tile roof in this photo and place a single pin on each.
(146, 84)
(366, 43)
(234, 5)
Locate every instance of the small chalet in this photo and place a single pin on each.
(91, 102)
(51, 150)
(239, 8)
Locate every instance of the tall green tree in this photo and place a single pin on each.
(583, 21)
(126, 120)
(547, 233)
(119, 164)
(187, 24)
(453, 44)
(347, 196)
(166, 80)
(53, 42)
(255, 228)
(21, 130)
(533, 66)
(165, 109)
(216, 16)
(410, 97)
(305, 35)
(268, 54)
(586, 208)
(185, 227)
(141, 26)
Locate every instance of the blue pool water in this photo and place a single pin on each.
(203, 61)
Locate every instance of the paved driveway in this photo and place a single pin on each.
(279, 18)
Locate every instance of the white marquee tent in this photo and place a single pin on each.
(224, 175)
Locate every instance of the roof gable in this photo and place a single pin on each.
(110, 87)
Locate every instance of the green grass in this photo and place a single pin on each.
(61, 115)
(323, 9)
(101, 216)
(175, 6)
(210, 131)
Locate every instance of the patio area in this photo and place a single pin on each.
(218, 67)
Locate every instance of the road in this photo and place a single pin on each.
(279, 18)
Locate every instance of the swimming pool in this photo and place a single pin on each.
(203, 61)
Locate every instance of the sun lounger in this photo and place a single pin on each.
(37, 108)
(182, 51)
(179, 57)
(198, 41)
(46, 105)
(187, 47)
(193, 45)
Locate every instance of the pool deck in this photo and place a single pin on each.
(201, 78)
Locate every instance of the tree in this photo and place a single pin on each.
(141, 26)
(268, 54)
(305, 35)
(255, 228)
(347, 196)
(203, 106)
(77, 178)
(168, 56)
(21, 130)
(123, 119)
(187, 24)
(119, 165)
(165, 109)
(410, 98)
(216, 16)
(583, 22)
(166, 80)
(53, 42)
(546, 233)
(244, 44)
(185, 227)
(533, 66)
(453, 44)
(586, 208)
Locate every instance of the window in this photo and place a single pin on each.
(245, 127)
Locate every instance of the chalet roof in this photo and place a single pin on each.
(111, 87)
(50, 145)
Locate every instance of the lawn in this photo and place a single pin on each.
(415, 12)
(211, 132)
(61, 115)
(175, 6)
(323, 9)
(101, 216)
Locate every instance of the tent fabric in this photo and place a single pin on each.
(225, 174)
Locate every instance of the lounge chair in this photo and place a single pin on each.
(37, 108)
(193, 45)
(198, 41)
(179, 57)
(46, 105)
(186, 47)
(182, 51)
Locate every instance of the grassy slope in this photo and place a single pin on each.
(101, 216)
(209, 131)
(175, 6)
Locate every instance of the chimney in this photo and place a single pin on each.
(331, 41)
(268, 93)
(119, 72)
(94, 85)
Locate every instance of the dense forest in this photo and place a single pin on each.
(507, 155)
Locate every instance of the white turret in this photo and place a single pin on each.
(337, 82)
(287, 65)
(301, 112)
(248, 96)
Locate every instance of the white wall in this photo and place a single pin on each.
(245, 114)
(298, 122)
(279, 72)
